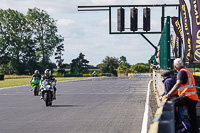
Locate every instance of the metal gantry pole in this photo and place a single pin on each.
(109, 8)
(110, 27)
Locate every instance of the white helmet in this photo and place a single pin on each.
(47, 72)
(36, 72)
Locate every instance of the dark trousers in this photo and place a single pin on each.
(191, 108)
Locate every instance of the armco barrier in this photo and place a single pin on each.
(16, 76)
(1, 77)
(89, 75)
(139, 74)
(58, 75)
(163, 121)
(73, 75)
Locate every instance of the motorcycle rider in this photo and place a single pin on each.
(36, 75)
(47, 75)
(94, 74)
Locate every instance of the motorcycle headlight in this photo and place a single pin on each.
(48, 86)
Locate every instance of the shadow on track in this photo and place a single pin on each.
(66, 106)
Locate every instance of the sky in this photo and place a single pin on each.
(88, 32)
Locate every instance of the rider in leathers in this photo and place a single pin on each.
(47, 75)
(35, 75)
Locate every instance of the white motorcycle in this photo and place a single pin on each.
(47, 91)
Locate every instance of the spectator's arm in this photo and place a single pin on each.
(175, 87)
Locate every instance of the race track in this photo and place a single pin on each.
(108, 105)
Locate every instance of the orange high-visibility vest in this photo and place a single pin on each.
(189, 88)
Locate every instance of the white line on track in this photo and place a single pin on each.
(146, 111)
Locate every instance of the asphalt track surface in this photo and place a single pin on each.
(88, 106)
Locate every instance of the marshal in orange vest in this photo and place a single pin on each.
(189, 88)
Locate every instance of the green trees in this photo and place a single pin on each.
(59, 60)
(124, 66)
(14, 35)
(115, 65)
(79, 65)
(44, 30)
(140, 68)
(4, 39)
(137, 68)
(26, 41)
(123, 60)
(109, 65)
(127, 68)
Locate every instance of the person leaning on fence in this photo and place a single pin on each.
(187, 92)
(169, 82)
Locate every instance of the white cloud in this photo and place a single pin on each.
(65, 22)
(88, 32)
(104, 22)
(101, 2)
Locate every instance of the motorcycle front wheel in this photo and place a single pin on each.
(35, 91)
(46, 99)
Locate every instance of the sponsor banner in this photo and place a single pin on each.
(172, 43)
(176, 48)
(188, 53)
(177, 28)
(195, 16)
(198, 7)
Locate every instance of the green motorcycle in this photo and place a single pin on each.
(35, 84)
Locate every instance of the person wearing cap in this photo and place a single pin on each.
(168, 81)
(187, 92)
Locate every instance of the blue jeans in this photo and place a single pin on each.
(181, 110)
(190, 105)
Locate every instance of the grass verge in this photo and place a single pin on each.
(26, 81)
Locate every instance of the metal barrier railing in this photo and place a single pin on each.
(163, 121)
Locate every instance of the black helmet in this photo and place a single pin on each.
(47, 72)
(36, 72)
